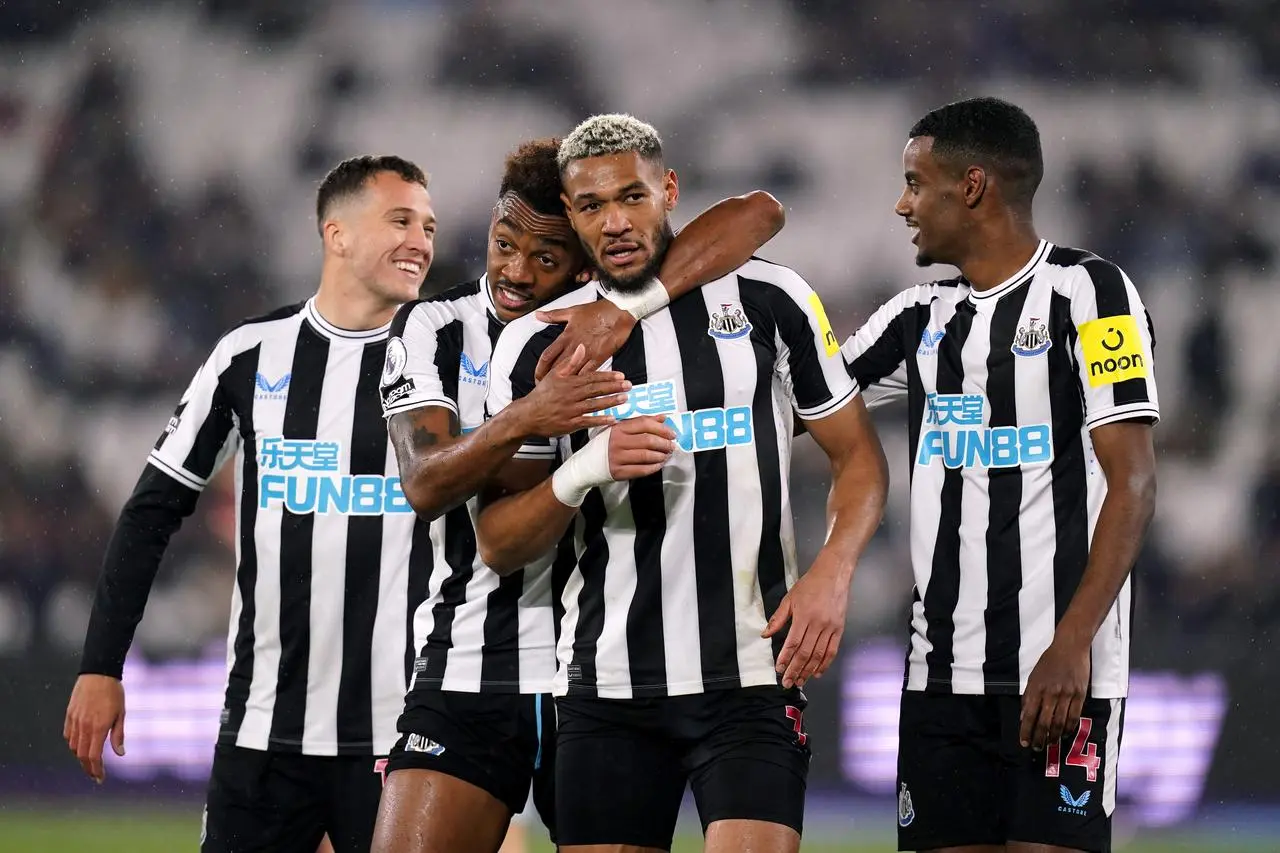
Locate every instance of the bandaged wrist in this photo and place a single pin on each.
(650, 298)
(583, 471)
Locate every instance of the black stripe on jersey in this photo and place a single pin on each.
(645, 630)
(453, 294)
(301, 419)
(809, 384)
(592, 564)
(212, 434)
(448, 357)
(1004, 489)
(460, 555)
(712, 563)
(771, 565)
(1113, 299)
(500, 663)
(943, 593)
(240, 375)
(421, 564)
(364, 545)
(914, 323)
(1069, 486)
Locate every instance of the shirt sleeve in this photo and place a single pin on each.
(202, 432)
(808, 360)
(511, 368)
(1114, 346)
(876, 355)
(423, 358)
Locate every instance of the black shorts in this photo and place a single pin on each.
(964, 779)
(622, 764)
(500, 742)
(285, 803)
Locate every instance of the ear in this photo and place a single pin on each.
(671, 189)
(974, 186)
(336, 239)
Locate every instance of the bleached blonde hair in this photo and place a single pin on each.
(611, 133)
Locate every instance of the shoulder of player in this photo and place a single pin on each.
(457, 303)
(1079, 268)
(529, 334)
(251, 331)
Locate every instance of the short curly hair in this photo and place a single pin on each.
(612, 133)
(531, 173)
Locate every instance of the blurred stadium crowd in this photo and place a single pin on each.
(160, 160)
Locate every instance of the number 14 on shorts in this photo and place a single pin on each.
(1082, 754)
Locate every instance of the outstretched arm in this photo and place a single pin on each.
(718, 241)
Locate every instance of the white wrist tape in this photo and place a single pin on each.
(583, 471)
(650, 298)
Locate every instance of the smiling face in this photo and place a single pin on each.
(619, 204)
(933, 205)
(532, 257)
(386, 235)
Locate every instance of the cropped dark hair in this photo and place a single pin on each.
(991, 133)
(349, 177)
(531, 172)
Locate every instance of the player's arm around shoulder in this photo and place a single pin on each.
(718, 241)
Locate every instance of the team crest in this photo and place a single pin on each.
(397, 358)
(729, 322)
(1031, 339)
(906, 811)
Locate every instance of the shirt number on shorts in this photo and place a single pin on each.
(796, 716)
(1082, 754)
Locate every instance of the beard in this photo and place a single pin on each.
(634, 281)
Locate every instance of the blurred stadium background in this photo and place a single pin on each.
(157, 170)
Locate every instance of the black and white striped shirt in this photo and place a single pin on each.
(1003, 388)
(664, 584)
(476, 631)
(330, 560)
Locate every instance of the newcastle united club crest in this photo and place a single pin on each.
(729, 322)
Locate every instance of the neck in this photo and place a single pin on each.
(1000, 251)
(347, 304)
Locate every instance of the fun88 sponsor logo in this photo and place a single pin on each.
(966, 443)
(302, 476)
(696, 431)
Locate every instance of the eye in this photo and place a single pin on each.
(635, 197)
(503, 245)
(590, 207)
(548, 261)
(401, 220)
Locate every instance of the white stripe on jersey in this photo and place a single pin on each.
(329, 536)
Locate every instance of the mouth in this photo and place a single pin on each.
(915, 232)
(623, 254)
(412, 268)
(512, 299)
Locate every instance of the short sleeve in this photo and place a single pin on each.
(202, 433)
(423, 357)
(876, 355)
(1114, 346)
(809, 361)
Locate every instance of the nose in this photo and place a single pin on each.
(903, 207)
(616, 222)
(416, 238)
(517, 270)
